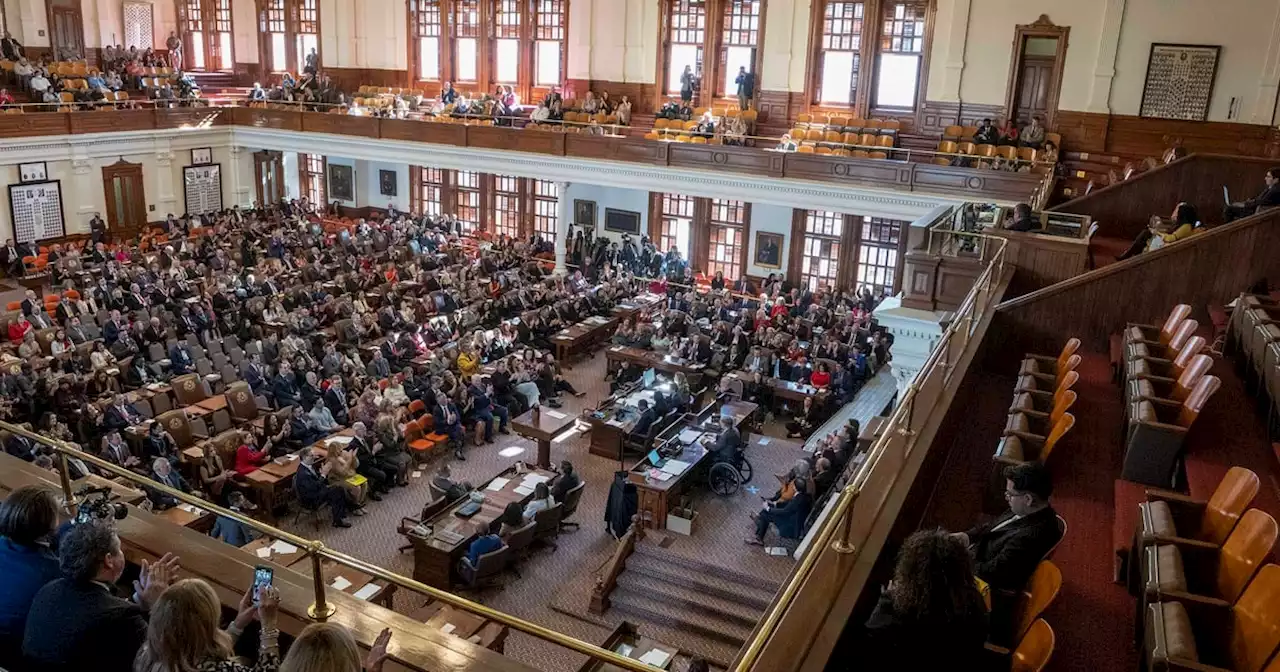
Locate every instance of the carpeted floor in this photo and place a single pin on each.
(1093, 617)
(723, 524)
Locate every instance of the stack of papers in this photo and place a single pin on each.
(283, 547)
(655, 658)
(367, 591)
(688, 436)
(264, 553)
(497, 484)
(523, 490)
(341, 583)
(556, 414)
(675, 467)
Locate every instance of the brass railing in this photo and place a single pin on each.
(846, 529)
(322, 609)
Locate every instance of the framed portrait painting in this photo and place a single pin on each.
(768, 249)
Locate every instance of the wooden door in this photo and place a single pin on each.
(68, 32)
(126, 200)
(1033, 88)
(268, 171)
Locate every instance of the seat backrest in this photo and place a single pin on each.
(1060, 428)
(1191, 375)
(1042, 589)
(572, 498)
(1065, 383)
(492, 563)
(1186, 329)
(1229, 500)
(1254, 635)
(1061, 405)
(1171, 323)
(188, 389)
(240, 401)
(1193, 346)
(1248, 546)
(175, 422)
(1068, 366)
(1199, 396)
(548, 520)
(522, 536)
(1035, 649)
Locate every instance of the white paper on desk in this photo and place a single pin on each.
(264, 552)
(340, 440)
(416, 474)
(675, 467)
(283, 547)
(341, 583)
(764, 441)
(290, 457)
(689, 436)
(557, 415)
(523, 490)
(655, 657)
(536, 478)
(367, 591)
(448, 628)
(497, 484)
(661, 476)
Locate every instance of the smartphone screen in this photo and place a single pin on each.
(261, 577)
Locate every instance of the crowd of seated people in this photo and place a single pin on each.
(73, 83)
(313, 90)
(67, 603)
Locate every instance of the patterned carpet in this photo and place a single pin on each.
(722, 525)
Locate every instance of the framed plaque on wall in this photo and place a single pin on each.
(35, 209)
(202, 188)
(1179, 81)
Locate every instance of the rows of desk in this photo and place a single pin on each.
(229, 570)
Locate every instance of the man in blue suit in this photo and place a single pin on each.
(314, 491)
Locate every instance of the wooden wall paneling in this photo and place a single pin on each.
(921, 278)
(954, 280)
(419, 131)
(867, 172)
(285, 120)
(38, 124)
(1123, 210)
(1144, 288)
(1082, 131)
(1043, 260)
(616, 149)
(191, 117)
(1045, 28)
(1134, 136)
(700, 234)
(976, 182)
(935, 116)
(501, 137)
(107, 122)
(655, 217)
(796, 254)
(340, 124)
(725, 158)
(774, 112)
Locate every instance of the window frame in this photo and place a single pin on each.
(312, 183)
(211, 19)
(867, 58)
(822, 227)
(296, 18)
(496, 20)
(719, 15)
(726, 215)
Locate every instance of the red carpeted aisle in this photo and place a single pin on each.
(1093, 617)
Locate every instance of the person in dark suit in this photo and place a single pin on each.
(254, 374)
(646, 420)
(932, 598)
(1007, 550)
(568, 480)
(728, 442)
(335, 399)
(285, 388)
(120, 414)
(1269, 198)
(180, 361)
(449, 422)
(28, 519)
(231, 531)
(113, 328)
(443, 481)
(162, 472)
(788, 516)
(380, 480)
(314, 491)
(378, 367)
(76, 623)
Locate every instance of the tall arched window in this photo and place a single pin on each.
(713, 38)
(206, 35)
(287, 31)
(868, 55)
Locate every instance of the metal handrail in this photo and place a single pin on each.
(321, 609)
(900, 421)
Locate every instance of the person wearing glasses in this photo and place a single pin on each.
(1007, 550)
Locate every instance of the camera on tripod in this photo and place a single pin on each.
(96, 506)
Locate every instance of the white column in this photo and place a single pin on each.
(564, 216)
(1104, 70)
(957, 40)
(82, 167)
(915, 334)
(167, 200)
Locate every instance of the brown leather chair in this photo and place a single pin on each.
(1040, 592)
(1156, 431)
(1239, 638)
(1166, 517)
(1048, 363)
(1173, 389)
(1244, 319)
(242, 404)
(176, 423)
(1026, 394)
(548, 525)
(1050, 377)
(571, 500)
(1158, 334)
(1036, 422)
(189, 389)
(1019, 445)
(487, 569)
(1201, 573)
(1168, 350)
(519, 542)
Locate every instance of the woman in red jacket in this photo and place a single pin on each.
(249, 457)
(821, 378)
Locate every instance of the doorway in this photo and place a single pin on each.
(268, 173)
(67, 29)
(1035, 72)
(126, 200)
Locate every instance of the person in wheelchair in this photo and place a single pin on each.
(728, 444)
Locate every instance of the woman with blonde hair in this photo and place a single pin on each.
(183, 634)
(340, 466)
(329, 647)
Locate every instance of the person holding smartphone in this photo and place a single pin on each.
(183, 633)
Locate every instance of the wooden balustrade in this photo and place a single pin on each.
(1123, 210)
(896, 175)
(1210, 267)
(607, 577)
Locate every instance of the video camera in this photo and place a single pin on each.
(96, 506)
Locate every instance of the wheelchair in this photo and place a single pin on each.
(727, 477)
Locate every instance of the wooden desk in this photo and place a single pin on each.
(199, 519)
(264, 549)
(627, 640)
(491, 635)
(871, 431)
(582, 336)
(353, 581)
(229, 570)
(782, 389)
(640, 303)
(456, 622)
(649, 359)
(435, 558)
(541, 426)
(213, 404)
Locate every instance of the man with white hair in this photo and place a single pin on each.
(162, 472)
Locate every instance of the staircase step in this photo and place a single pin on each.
(660, 570)
(693, 601)
(698, 566)
(661, 613)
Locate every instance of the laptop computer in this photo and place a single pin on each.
(655, 459)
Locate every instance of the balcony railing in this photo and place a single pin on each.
(897, 173)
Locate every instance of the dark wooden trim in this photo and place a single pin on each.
(138, 207)
(1042, 27)
(796, 256)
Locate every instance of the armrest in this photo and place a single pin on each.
(1039, 393)
(1173, 497)
(1029, 413)
(1025, 436)
(1155, 360)
(407, 524)
(1042, 358)
(997, 649)
(1161, 401)
(1042, 376)
(199, 435)
(1181, 542)
(1160, 425)
(1160, 379)
(1140, 326)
